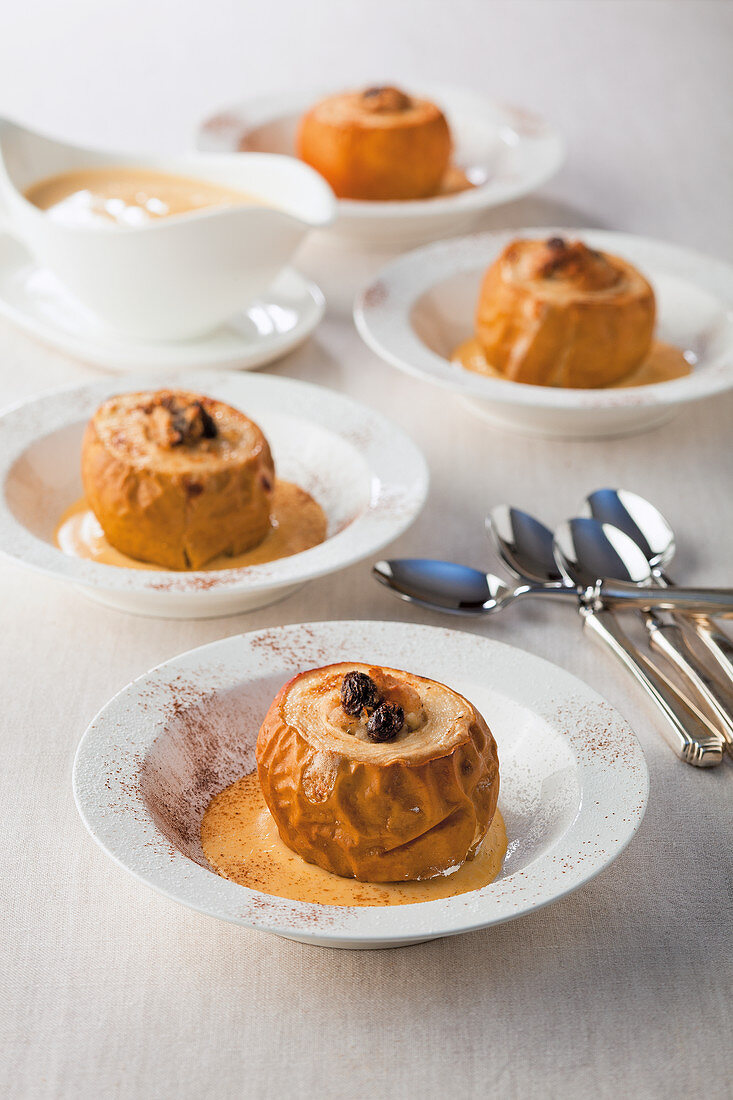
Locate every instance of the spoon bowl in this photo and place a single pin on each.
(524, 544)
(637, 518)
(587, 550)
(442, 585)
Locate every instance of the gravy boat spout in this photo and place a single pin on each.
(175, 277)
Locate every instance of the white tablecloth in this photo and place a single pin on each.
(623, 989)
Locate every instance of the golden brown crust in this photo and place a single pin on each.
(379, 813)
(556, 313)
(177, 479)
(378, 144)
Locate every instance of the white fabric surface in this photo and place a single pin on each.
(623, 989)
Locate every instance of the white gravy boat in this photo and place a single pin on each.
(178, 277)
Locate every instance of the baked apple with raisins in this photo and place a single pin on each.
(557, 313)
(377, 774)
(377, 144)
(177, 479)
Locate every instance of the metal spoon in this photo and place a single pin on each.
(576, 551)
(607, 551)
(646, 525)
(458, 589)
(447, 586)
(526, 546)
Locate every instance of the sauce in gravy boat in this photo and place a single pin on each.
(158, 248)
(128, 196)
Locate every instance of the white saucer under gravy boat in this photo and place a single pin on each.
(178, 277)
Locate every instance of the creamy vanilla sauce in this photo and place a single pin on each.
(454, 181)
(240, 840)
(127, 196)
(298, 523)
(663, 363)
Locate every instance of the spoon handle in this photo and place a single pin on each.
(668, 639)
(690, 601)
(685, 728)
(718, 645)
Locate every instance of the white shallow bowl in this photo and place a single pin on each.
(370, 479)
(574, 782)
(422, 306)
(264, 330)
(505, 150)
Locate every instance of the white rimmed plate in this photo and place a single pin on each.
(422, 306)
(506, 151)
(367, 475)
(266, 329)
(574, 782)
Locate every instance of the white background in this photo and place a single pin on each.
(620, 990)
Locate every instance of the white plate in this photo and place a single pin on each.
(422, 306)
(34, 299)
(506, 151)
(574, 781)
(370, 479)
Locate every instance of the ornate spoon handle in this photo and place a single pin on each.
(685, 729)
(691, 601)
(637, 597)
(668, 639)
(718, 645)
